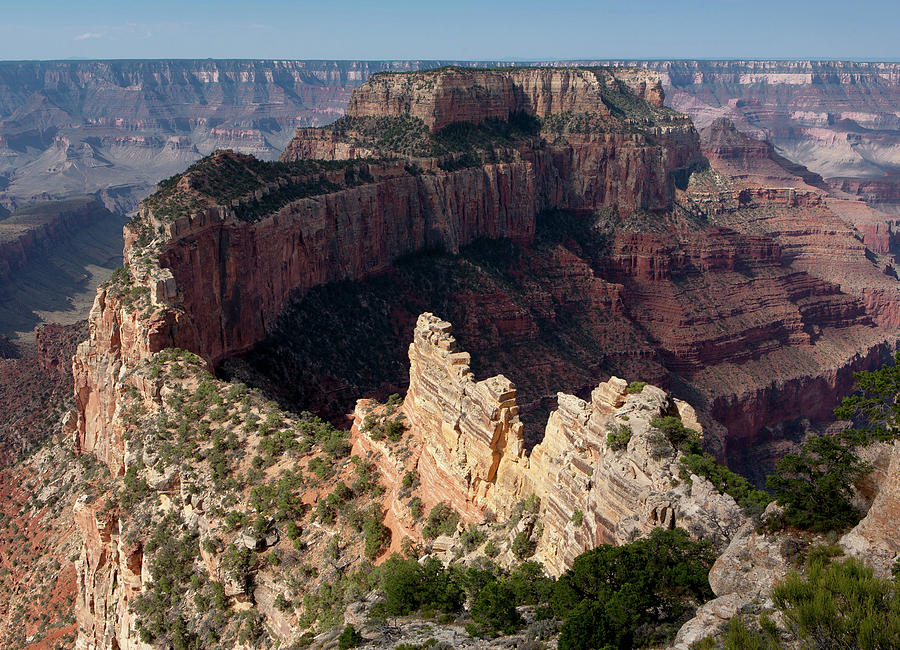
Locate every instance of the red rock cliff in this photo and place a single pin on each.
(214, 272)
(448, 95)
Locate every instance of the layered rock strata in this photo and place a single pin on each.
(471, 456)
(214, 262)
(442, 97)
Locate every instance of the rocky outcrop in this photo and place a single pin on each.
(448, 95)
(743, 576)
(621, 494)
(471, 432)
(575, 167)
(345, 235)
(110, 577)
(874, 539)
(470, 455)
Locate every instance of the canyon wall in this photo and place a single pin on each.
(341, 235)
(222, 277)
(33, 230)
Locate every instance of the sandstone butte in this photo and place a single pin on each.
(215, 255)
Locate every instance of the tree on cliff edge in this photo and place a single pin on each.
(816, 485)
(874, 409)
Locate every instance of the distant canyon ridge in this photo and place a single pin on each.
(111, 130)
(115, 128)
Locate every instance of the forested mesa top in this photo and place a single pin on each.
(456, 117)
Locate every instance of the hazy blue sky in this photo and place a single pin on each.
(462, 29)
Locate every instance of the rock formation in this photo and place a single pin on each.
(874, 539)
(470, 430)
(326, 222)
(717, 283)
(470, 455)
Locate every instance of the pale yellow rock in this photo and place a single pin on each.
(473, 457)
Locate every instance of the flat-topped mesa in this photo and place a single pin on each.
(469, 453)
(216, 252)
(447, 95)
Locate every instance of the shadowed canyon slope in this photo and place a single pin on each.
(53, 256)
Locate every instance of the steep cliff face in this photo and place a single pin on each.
(53, 255)
(442, 97)
(469, 454)
(230, 240)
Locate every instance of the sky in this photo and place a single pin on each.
(458, 29)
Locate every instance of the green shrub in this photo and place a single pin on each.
(739, 637)
(751, 500)
(349, 638)
(680, 436)
(874, 407)
(816, 485)
(442, 520)
(522, 546)
(635, 387)
(320, 468)
(632, 595)
(494, 610)
(394, 430)
(409, 586)
(578, 518)
(472, 537)
(618, 439)
(841, 605)
(529, 583)
(377, 535)
(134, 491)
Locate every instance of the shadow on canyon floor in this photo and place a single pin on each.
(59, 283)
